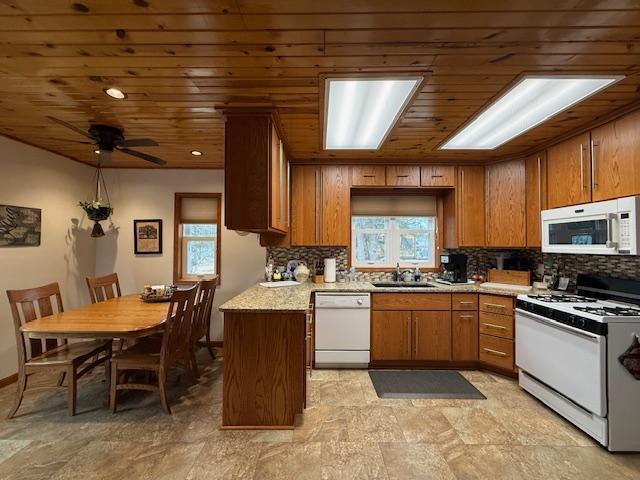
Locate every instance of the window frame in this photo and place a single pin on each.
(178, 244)
(393, 234)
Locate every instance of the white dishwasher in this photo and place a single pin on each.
(343, 329)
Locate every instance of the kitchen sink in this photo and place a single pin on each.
(402, 285)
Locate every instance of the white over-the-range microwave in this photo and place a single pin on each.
(611, 227)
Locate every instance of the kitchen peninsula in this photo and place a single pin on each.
(267, 329)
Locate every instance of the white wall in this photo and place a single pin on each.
(30, 177)
(140, 194)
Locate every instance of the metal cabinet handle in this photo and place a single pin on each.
(493, 325)
(437, 176)
(495, 352)
(539, 186)
(369, 176)
(594, 182)
(409, 338)
(582, 186)
(465, 302)
(402, 176)
(495, 305)
(466, 316)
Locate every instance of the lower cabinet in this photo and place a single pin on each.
(464, 329)
(496, 327)
(391, 335)
(431, 333)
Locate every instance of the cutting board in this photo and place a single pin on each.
(513, 277)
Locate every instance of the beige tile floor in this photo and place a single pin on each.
(346, 433)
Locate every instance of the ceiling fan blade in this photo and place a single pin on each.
(144, 156)
(69, 126)
(139, 142)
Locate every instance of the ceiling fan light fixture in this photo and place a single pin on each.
(97, 151)
(196, 153)
(115, 93)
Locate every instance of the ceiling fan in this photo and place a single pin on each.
(108, 139)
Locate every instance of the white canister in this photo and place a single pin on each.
(329, 270)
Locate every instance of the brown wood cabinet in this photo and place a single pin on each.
(438, 176)
(403, 176)
(497, 352)
(536, 193)
(470, 207)
(431, 334)
(464, 332)
(496, 327)
(615, 158)
(256, 174)
(411, 301)
(506, 204)
(305, 193)
(569, 172)
(390, 335)
(335, 201)
(368, 176)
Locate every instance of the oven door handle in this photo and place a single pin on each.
(560, 326)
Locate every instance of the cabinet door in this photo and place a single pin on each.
(470, 207)
(390, 335)
(438, 176)
(569, 172)
(464, 336)
(305, 204)
(368, 176)
(335, 206)
(616, 158)
(536, 188)
(403, 176)
(505, 211)
(277, 174)
(432, 335)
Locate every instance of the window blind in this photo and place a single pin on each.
(394, 205)
(198, 210)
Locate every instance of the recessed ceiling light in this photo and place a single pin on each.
(359, 113)
(115, 93)
(97, 151)
(197, 153)
(527, 104)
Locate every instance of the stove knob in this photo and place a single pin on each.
(580, 322)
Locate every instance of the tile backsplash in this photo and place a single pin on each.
(480, 260)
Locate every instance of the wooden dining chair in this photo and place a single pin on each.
(72, 360)
(103, 288)
(202, 320)
(158, 357)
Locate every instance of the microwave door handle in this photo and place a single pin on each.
(610, 243)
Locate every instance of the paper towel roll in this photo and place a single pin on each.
(329, 270)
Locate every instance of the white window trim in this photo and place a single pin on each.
(184, 241)
(392, 257)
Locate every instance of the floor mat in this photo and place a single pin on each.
(423, 384)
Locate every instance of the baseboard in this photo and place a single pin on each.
(8, 380)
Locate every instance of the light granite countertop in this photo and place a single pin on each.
(296, 299)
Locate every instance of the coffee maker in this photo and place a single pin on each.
(455, 266)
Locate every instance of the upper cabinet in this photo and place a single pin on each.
(569, 172)
(536, 193)
(438, 176)
(470, 207)
(368, 176)
(505, 197)
(403, 176)
(320, 205)
(615, 158)
(256, 174)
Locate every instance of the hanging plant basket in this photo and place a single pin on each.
(96, 210)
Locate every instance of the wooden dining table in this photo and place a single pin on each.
(125, 317)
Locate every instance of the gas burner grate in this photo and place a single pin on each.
(611, 311)
(560, 298)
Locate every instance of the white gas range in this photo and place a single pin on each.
(579, 354)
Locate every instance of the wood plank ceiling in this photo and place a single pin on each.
(181, 61)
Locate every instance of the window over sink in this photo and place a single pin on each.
(384, 241)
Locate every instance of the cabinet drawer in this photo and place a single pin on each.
(403, 176)
(411, 301)
(496, 324)
(496, 351)
(464, 336)
(368, 176)
(464, 301)
(437, 176)
(496, 304)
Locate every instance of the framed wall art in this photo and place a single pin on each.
(147, 237)
(20, 226)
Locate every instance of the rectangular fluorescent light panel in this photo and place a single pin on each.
(360, 112)
(527, 104)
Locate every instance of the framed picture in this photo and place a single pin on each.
(20, 226)
(147, 236)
